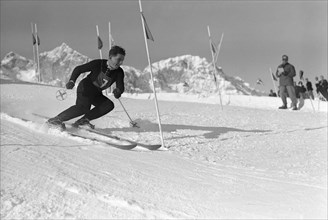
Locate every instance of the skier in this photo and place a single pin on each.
(285, 73)
(103, 73)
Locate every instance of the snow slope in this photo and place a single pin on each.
(254, 163)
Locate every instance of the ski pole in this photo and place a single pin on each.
(132, 123)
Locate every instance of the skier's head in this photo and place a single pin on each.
(116, 57)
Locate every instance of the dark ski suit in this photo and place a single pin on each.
(89, 90)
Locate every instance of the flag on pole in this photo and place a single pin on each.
(213, 48)
(34, 40)
(213, 63)
(259, 81)
(273, 77)
(301, 75)
(147, 30)
(38, 39)
(100, 43)
(148, 35)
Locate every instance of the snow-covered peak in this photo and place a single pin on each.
(62, 52)
(11, 57)
(184, 62)
(193, 74)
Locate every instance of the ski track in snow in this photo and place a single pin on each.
(235, 163)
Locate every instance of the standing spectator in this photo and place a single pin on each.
(317, 85)
(300, 94)
(323, 87)
(286, 72)
(309, 88)
(299, 90)
(272, 94)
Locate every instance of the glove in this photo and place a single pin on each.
(117, 93)
(70, 84)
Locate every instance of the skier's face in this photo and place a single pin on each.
(115, 61)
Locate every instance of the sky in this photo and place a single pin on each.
(256, 33)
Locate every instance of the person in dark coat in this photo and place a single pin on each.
(323, 85)
(286, 72)
(309, 88)
(272, 93)
(103, 73)
(300, 94)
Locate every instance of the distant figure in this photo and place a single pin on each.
(309, 88)
(272, 94)
(286, 72)
(301, 90)
(323, 87)
(300, 94)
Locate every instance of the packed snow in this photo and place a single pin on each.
(248, 160)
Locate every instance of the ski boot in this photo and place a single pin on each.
(83, 122)
(56, 123)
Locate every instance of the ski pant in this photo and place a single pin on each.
(324, 93)
(310, 93)
(291, 93)
(84, 100)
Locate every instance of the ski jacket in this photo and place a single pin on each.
(286, 77)
(100, 75)
(309, 86)
(324, 84)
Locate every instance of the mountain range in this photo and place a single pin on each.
(182, 74)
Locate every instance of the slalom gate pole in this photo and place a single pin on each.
(37, 52)
(274, 85)
(100, 54)
(151, 76)
(214, 66)
(34, 64)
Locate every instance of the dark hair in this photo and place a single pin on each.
(116, 50)
(284, 57)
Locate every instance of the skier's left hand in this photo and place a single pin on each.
(117, 93)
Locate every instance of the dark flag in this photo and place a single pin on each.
(273, 77)
(213, 48)
(37, 37)
(148, 33)
(301, 74)
(33, 38)
(100, 43)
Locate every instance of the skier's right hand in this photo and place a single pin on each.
(70, 84)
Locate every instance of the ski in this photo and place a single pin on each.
(120, 146)
(147, 146)
(128, 146)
